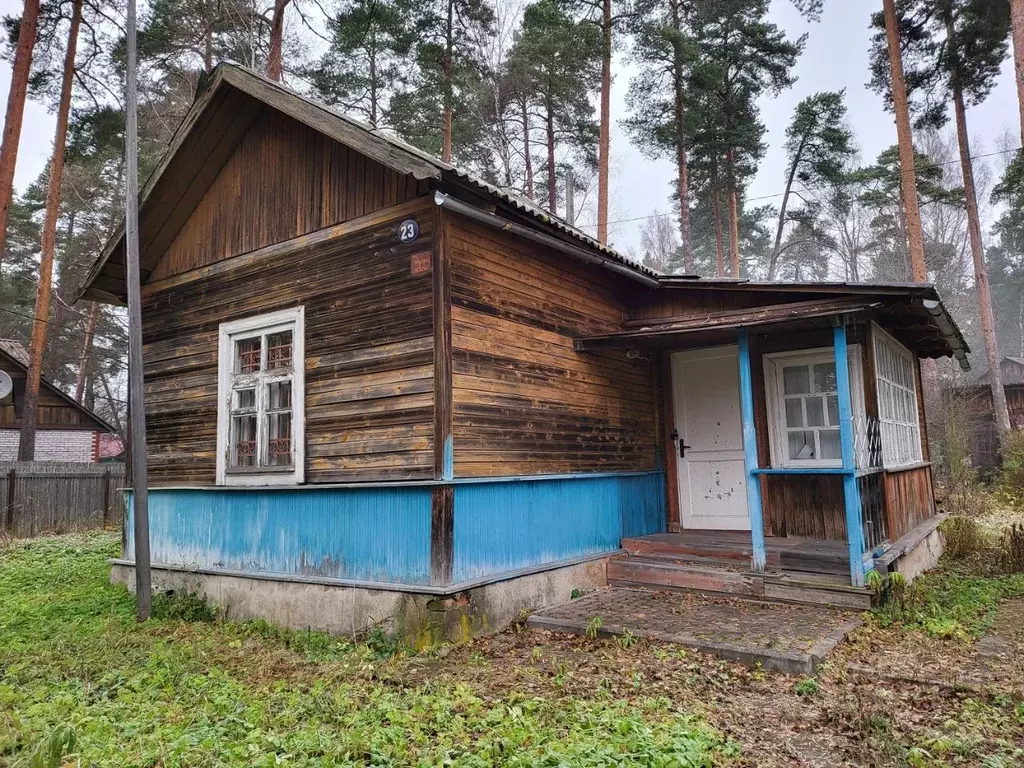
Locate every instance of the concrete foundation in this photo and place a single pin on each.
(342, 609)
(916, 552)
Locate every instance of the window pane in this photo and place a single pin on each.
(801, 445)
(794, 412)
(247, 355)
(825, 377)
(830, 445)
(796, 380)
(279, 350)
(815, 412)
(833, 409)
(279, 436)
(245, 399)
(279, 396)
(243, 441)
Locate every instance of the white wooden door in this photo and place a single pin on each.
(711, 471)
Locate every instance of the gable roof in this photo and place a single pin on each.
(225, 110)
(217, 122)
(13, 353)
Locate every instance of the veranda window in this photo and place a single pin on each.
(260, 414)
(803, 407)
(897, 402)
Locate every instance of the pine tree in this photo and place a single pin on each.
(742, 56)
(657, 98)
(818, 146)
(441, 112)
(952, 51)
(26, 447)
(1017, 35)
(557, 59)
(21, 67)
(366, 62)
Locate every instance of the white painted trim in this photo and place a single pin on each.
(772, 384)
(880, 333)
(294, 319)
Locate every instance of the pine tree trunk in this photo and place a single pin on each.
(275, 64)
(446, 119)
(988, 325)
(22, 68)
(716, 213)
(734, 216)
(527, 156)
(552, 170)
(908, 175)
(773, 262)
(604, 138)
(83, 359)
(37, 347)
(1017, 34)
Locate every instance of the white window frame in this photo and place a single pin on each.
(889, 426)
(777, 437)
(262, 325)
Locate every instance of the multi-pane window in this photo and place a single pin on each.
(803, 407)
(897, 402)
(261, 380)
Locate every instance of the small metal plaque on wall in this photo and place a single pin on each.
(419, 263)
(408, 230)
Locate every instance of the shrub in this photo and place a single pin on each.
(963, 536)
(182, 606)
(1011, 477)
(1011, 549)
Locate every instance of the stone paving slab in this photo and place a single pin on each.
(781, 637)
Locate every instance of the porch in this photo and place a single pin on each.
(795, 444)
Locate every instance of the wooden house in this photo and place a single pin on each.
(379, 389)
(66, 430)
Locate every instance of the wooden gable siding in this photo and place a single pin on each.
(524, 401)
(283, 179)
(686, 302)
(369, 353)
(53, 411)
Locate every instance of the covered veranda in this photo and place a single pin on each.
(816, 461)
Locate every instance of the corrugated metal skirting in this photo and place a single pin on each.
(506, 526)
(372, 534)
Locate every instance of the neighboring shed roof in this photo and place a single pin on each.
(13, 353)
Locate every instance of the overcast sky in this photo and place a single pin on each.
(836, 56)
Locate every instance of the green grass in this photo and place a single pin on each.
(82, 683)
(949, 603)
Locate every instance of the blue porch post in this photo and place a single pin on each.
(851, 492)
(750, 455)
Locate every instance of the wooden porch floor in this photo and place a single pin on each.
(815, 556)
(718, 562)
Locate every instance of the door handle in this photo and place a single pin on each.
(682, 446)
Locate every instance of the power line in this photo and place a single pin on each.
(802, 189)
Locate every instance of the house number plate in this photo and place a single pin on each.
(408, 230)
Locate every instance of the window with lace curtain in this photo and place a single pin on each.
(260, 411)
(897, 402)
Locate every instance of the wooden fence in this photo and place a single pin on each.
(53, 497)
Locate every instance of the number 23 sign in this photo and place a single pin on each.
(408, 230)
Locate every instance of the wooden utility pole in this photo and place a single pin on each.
(604, 137)
(908, 174)
(44, 290)
(136, 395)
(21, 69)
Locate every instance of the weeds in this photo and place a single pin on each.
(182, 606)
(594, 627)
(807, 687)
(1011, 548)
(963, 536)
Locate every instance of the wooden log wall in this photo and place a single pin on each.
(909, 499)
(369, 350)
(53, 411)
(283, 180)
(524, 402)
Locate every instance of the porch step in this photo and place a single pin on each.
(663, 573)
(701, 551)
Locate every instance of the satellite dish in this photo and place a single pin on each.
(6, 385)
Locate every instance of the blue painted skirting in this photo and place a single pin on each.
(382, 533)
(507, 526)
(375, 534)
